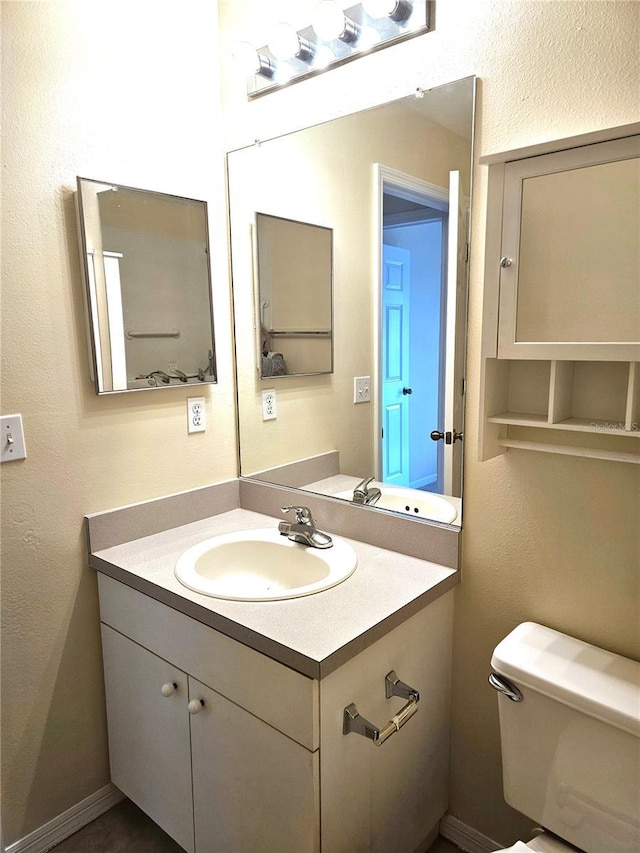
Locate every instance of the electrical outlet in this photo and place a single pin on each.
(196, 414)
(12, 438)
(361, 389)
(269, 405)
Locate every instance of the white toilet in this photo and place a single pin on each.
(570, 732)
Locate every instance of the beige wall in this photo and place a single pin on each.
(126, 92)
(547, 538)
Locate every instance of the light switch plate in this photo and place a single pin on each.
(361, 389)
(12, 438)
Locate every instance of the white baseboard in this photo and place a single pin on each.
(65, 824)
(466, 837)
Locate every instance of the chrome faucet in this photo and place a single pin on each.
(362, 494)
(303, 530)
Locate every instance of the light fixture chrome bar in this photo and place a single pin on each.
(356, 33)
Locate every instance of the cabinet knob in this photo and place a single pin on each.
(169, 688)
(195, 706)
(505, 262)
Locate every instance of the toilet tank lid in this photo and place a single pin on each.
(591, 680)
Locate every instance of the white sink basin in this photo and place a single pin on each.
(411, 502)
(262, 565)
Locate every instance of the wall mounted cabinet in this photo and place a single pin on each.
(561, 322)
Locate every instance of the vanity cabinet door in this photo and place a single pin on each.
(377, 799)
(254, 788)
(149, 744)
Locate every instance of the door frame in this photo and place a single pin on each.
(413, 189)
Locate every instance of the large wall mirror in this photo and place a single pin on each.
(146, 266)
(392, 185)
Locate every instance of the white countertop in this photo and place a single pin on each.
(314, 634)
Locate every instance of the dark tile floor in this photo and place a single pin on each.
(125, 829)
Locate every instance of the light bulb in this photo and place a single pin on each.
(283, 41)
(369, 37)
(246, 57)
(396, 10)
(330, 22)
(324, 56)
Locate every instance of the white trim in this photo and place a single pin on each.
(466, 837)
(553, 145)
(70, 821)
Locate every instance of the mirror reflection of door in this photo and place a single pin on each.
(418, 318)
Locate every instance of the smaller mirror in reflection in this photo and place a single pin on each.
(295, 272)
(146, 263)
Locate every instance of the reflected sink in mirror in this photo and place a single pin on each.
(410, 501)
(263, 565)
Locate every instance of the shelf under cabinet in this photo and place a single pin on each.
(572, 424)
(524, 401)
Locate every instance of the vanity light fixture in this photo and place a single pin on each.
(397, 10)
(337, 34)
(330, 23)
(252, 62)
(285, 43)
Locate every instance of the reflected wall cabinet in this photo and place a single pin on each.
(561, 314)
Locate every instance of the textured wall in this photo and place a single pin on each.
(125, 92)
(548, 538)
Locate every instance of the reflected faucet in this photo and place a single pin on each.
(159, 374)
(304, 530)
(362, 494)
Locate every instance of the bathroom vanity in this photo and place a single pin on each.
(229, 720)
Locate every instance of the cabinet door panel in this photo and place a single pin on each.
(149, 734)
(390, 797)
(255, 789)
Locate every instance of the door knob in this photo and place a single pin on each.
(449, 437)
(407, 390)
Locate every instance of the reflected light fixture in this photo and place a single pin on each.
(338, 33)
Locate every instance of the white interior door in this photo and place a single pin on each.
(455, 317)
(396, 279)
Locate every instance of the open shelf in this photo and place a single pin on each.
(588, 398)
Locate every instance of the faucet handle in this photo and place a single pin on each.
(303, 514)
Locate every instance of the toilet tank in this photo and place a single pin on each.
(571, 747)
